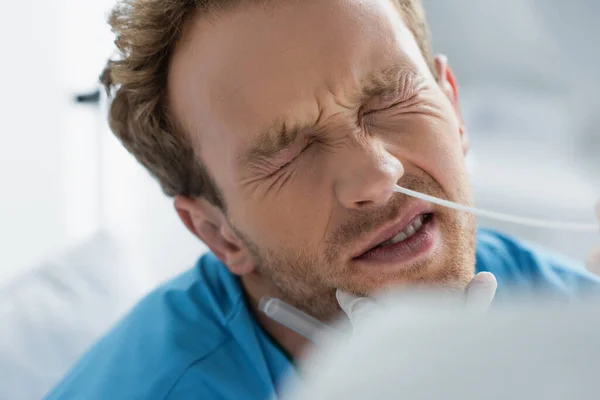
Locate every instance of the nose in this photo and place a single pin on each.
(367, 177)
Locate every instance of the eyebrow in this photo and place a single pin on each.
(272, 141)
(397, 78)
(387, 81)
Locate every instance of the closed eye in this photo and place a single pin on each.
(405, 101)
(287, 159)
(387, 107)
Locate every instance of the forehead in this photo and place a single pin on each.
(242, 69)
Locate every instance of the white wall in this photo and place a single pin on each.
(50, 197)
(32, 109)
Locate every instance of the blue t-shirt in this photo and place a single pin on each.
(195, 337)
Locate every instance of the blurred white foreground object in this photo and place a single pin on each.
(441, 352)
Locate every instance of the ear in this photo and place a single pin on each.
(447, 83)
(209, 224)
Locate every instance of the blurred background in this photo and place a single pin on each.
(85, 232)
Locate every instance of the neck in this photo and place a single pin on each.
(294, 343)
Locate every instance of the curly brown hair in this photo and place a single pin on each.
(147, 32)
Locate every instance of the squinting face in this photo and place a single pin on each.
(306, 113)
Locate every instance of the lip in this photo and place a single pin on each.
(391, 229)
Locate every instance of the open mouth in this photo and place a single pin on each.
(411, 230)
(416, 239)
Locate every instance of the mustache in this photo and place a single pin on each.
(367, 221)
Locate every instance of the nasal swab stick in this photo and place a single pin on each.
(540, 223)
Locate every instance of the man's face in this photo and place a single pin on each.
(306, 114)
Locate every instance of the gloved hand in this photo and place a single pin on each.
(479, 295)
(593, 262)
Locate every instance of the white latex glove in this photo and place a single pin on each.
(593, 261)
(479, 295)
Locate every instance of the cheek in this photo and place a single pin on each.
(441, 153)
(292, 219)
(442, 158)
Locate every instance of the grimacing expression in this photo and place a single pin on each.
(306, 113)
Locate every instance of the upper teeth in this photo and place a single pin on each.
(407, 232)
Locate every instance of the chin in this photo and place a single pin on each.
(453, 276)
